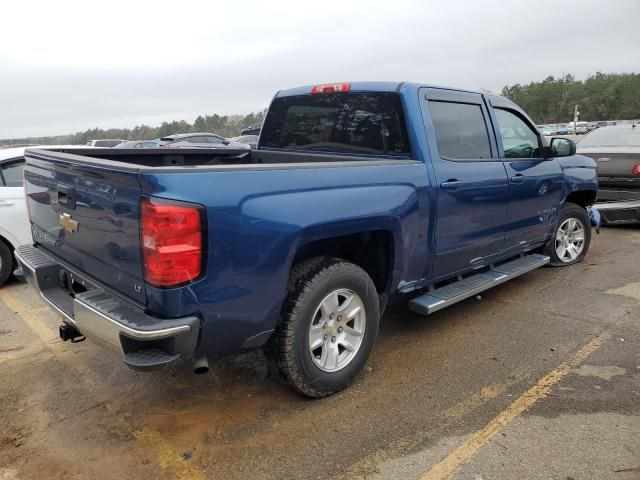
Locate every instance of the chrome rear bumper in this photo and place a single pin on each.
(107, 319)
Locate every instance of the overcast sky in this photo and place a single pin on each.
(66, 66)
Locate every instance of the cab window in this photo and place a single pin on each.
(353, 123)
(461, 132)
(519, 140)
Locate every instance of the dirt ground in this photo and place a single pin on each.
(540, 378)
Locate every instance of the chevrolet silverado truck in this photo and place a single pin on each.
(357, 193)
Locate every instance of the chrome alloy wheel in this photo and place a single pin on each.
(337, 330)
(570, 240)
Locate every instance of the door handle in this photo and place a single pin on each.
(451, 184)
(6, 203)
(519, 178)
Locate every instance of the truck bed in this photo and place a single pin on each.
(164, 159)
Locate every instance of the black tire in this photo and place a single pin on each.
(569, 211)
(310, 282)
(6, 262)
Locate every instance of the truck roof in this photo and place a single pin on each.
(379, 86)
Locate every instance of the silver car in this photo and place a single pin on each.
(200, 140)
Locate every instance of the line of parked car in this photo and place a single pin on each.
(181, 140)
(580, 128)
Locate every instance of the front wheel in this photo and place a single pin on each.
(571, 236)
(328, 328)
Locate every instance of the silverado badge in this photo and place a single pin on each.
(69, 224)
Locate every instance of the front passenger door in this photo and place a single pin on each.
(535, 183)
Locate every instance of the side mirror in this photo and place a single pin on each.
(562, 147)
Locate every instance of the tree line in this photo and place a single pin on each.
(603, 96)
(224, 125)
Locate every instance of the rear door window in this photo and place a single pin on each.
(358, 123)
(461, 131)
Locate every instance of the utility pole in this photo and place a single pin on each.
(576, 114)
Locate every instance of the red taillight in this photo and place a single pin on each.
(171, 234)
(331, 88)
(636, 169)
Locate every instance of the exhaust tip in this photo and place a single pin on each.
(201, 365)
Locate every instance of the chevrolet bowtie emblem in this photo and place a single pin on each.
(68, 223)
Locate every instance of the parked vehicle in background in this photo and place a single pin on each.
(580, 128)
(251, 140)
(252, 130)
(138, 144)
(356, 193)
(547, 131)
(206, 137)
(199, 140)
(562, 130)
(616, 150)
(14, 221)
(105, 142)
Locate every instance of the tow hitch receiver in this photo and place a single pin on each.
(67, 332)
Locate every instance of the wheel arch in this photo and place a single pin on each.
(372, 250)
(584, 198)
(10, 245)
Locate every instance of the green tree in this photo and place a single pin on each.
(601, 97)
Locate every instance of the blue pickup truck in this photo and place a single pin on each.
(356, 194)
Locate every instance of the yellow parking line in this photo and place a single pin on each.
(400, 447)
(170, 461)
(448, 466)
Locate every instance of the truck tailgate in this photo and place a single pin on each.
(87, 215)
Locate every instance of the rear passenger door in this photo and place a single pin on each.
(535, 183)
(471, 181)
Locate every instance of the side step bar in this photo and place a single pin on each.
(455, 292)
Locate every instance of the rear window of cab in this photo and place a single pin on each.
(357, 123)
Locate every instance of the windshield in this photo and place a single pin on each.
(612, 137)
(365, 123)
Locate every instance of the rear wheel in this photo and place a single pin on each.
(571, 236)
(329, 325)
(6, 262)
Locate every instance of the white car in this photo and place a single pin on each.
(15, 229)
(14, 223)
